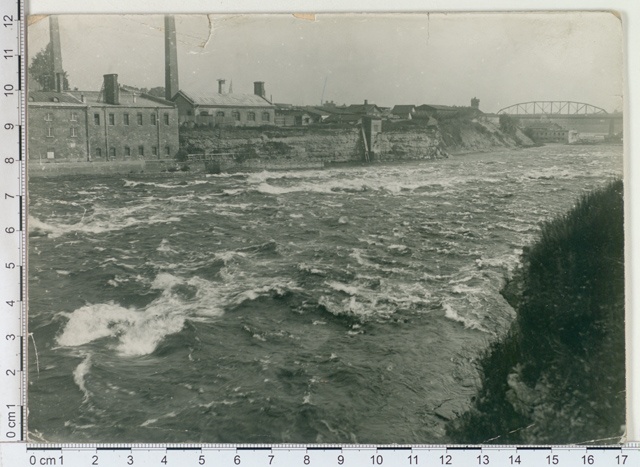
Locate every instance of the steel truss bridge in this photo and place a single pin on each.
(552, 108)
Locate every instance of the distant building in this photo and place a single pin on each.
(292, 117)
(344, 117)
(226, 109)
(371, 110)
(112, 124)
(425, 111)
(547, 132)
(405, 112)
(440, 111)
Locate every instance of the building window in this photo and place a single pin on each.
(154, 150)
(96, 119)
(266, 117)
(251, 116)
(112, 153)
(125, 119)
(236, 115)
(167, 150)
(49, 132)
(48, 117)
(112, 119)
(219, 113)
(98, 152)
(204, 113)
(166, 119)
(127, 151)
(139, 119)
(153, 119)
(50, 154)
(74, 132)
(189, 112)
(74, 116)
(141, 150)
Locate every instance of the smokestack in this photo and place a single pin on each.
(57, 72)
(221, 86)
(82, 98)
(170, 58)
(111, 89)
(366, 102)
(258, 88)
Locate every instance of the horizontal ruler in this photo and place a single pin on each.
(22, 455)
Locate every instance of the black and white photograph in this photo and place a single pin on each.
(326, 228)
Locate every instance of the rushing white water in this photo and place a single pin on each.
(334, 305)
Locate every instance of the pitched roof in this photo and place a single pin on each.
(53, 97)
(363, 108)
(438, 107)
(96, 98)
(226, 100)
(343, 118)
(403, 109)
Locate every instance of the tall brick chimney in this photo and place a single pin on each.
(170, 58)
(221, 86)
(111, 89)
(258, 88)
(57, 72)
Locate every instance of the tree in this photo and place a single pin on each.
(41, 69)
(508, 124)
(158, 91)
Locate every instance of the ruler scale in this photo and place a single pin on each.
(13, 374)
(14, 337)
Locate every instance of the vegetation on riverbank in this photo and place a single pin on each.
(558, 376)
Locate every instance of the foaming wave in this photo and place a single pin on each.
(138, 331)
(80, 373)
(468, 323)
(382, 301)
(102, 220)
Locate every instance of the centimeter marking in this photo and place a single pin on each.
(20, 455)
(13, 325)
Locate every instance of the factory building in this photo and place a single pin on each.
(111, 124)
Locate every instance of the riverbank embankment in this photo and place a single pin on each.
(558, 377)
(242, 149)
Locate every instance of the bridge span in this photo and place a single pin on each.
(571, 115)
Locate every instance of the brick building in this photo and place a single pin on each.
(226, 109)
(112, 124)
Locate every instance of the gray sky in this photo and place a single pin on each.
(502, 58)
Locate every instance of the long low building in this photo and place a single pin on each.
(226, 109)
(111, 124)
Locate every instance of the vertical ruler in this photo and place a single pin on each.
(13, 332)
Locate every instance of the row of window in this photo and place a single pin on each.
(48, 117)
(73, 132)
(127, 151)
(126, 119)
(251, 116)
(112, 118)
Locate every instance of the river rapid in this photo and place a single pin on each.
(340, 305)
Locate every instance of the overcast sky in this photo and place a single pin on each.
(440, 58)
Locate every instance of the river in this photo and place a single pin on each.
(339, 305)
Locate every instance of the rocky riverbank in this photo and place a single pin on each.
(235, 149)
(559, 375)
